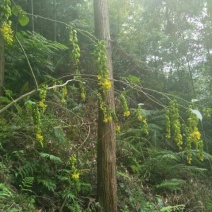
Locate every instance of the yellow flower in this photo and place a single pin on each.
(109, 118)
(118, 128)
(106, 84)
(42, 105)
(139, 117)
(83, 96)
(39, 137)
(63, 100)
(127, 113)
(196, 135)
(7, 32)
(64, 91)
(75, 176)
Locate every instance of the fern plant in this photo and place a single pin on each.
(172, 185)
(27, 184)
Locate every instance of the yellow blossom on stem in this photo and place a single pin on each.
(139, 117)
(83, 96)
(63, 100)
(39, 137)
(144, 121)
(107, 119)
(7, 32)
(118, 128)
(196, 135)
(75, 176)
(104, 82)
(127, 113)
(42, 105)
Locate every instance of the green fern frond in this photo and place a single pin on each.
(67, 193)
(5, 191)
(172, 185)
(207, 156)
(189, 169)
(167, 155)
(173, 208)
(52, 158)
(26, 170)
(27, 184)
(49, 184)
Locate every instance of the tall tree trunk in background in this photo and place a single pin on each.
(106, 146)
(1, 64)
(55, 17)
(32, 17)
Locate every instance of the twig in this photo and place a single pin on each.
(89, 130)
(64, 202)
(32, 92)
(30, 67)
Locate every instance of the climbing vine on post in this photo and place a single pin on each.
(106, 146)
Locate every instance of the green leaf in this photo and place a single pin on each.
(23, 20)
(21, 14)
(17, 10)
(53, 158)
(29, 104)
(133, 79)
(199, 115)
(59, 134)
(172, 185)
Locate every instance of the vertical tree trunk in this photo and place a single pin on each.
(32, 17)
(106, 151)
(1, 64)
(55, 23)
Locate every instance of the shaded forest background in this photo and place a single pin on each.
(161, 55)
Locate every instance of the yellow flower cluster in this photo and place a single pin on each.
(7, 32)
(118, 128)
(108, 119)
(106, 111)
(75, 176)
(104, 82)
(100, 58)
(196, 135)
(42, 105)
(76, 49)
(64, 93)
(39, 137)
(124, 105)
(173, 125)
(82, 91)
(139, 117)
(82, 96)
(192, 136)
(127, 113)
(138, 113)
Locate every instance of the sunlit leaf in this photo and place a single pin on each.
(196, 112)
(23, 20)
(17, 10)
(194, 100)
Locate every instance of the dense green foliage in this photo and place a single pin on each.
(162, 75)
